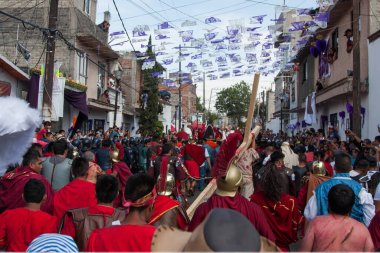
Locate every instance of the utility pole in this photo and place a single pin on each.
(49, 63)
(356, 70)
(204, 97)
(179, 90)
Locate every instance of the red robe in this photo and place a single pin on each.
(123, 173)
(374, 230)
(127, 238)
(162, 205)
(12, 187)
(20, 226)
(283, 217)
(77, 194)
(120, 147)
(197, 153)
(238, 203)
(192, 167)
(183, 135)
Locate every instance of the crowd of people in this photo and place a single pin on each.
(107, 191)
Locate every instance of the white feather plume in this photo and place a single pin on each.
(17, 125)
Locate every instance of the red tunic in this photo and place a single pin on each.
(128, 238)
(77, 194)
(12, 187)
(162, 205)
(238, 203)
(123, 173)
(192, 168)
(374, 230)
(20, 226)
(283, 217)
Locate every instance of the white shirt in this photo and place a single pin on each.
(365, 199)
(377, 193)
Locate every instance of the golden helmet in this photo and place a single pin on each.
(114, 154)
(75, 152)
(318, 168)
(170, 184)
(229, 184)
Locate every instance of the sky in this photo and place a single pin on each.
(230, 12)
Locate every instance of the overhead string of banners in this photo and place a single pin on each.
(225, 48)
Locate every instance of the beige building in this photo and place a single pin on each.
(334, 88)
(90, 70)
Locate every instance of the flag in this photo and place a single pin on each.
(139, 34)
(162, 37)
(212, 77)
(196, 56)
(217, 41)
(167, 61)
(233, 47)
(212, 20)
(298, 26)
(221, 47)
(164, 25)
(310, 110)
(303, 12)
(250, 57)
(255, 35)
(187, 38)
(117, 35)
(257, 19)
(186, 33)
(210, 36)
(267, 45)
(252, 29)
(225, 75)
(188, 23)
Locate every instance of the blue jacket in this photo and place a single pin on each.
(322, 191)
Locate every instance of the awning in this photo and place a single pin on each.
(12, 69)
(93, 44)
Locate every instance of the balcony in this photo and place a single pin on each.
(100, 105)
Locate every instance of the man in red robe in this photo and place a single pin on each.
(136, 235)
(12, 183)
(229, 178)
(122, 172)
(20, 226)
(78, 193)
(99, 216)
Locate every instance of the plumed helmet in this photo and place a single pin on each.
(114, 155)
(229, 184)
(318, 168)
(170, 184)
(75, 152)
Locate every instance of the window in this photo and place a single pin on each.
(304, 72)
(83, 69)
(335, 41)
(98, 123)
(334, 119)
(101, 79)
(86, 6)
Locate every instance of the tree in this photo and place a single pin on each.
(199, 106)
(149, 123)
(211, 117)
(234, 101)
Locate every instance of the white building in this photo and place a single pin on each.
(374, 80)
(13, 81)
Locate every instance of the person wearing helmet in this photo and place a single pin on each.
(310, 181)
(122, 172)
(166, 209)
(228, 180)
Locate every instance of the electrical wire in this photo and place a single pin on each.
(122, 22)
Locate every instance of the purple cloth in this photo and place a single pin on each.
(78, 100)
(34, 84)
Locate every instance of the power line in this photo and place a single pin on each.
(122, 22)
